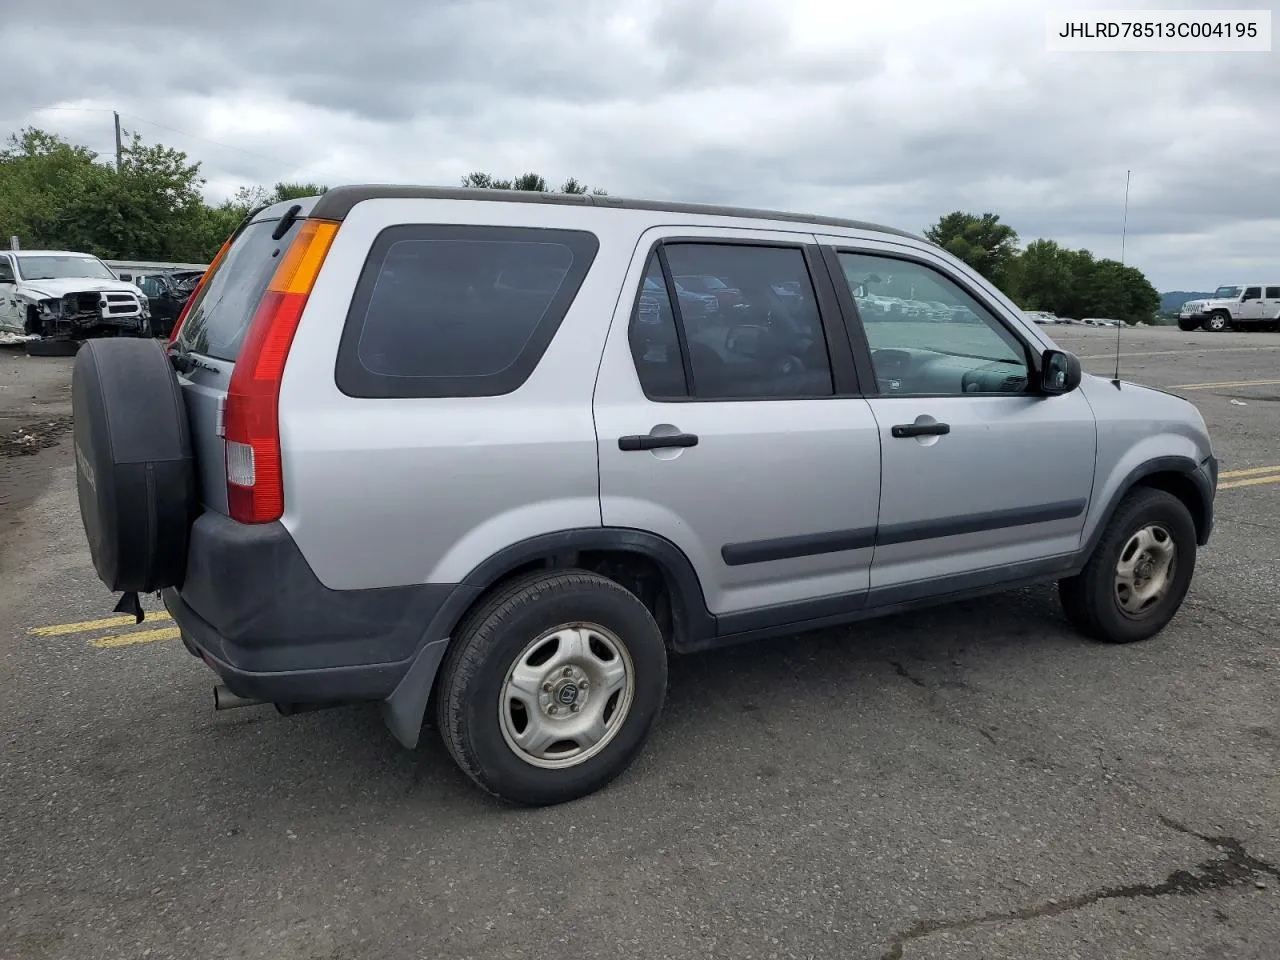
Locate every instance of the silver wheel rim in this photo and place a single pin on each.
(566, 696)
(1216, 323)
(1144, 570)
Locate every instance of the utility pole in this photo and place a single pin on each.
(119, 144)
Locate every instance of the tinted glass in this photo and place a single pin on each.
(458, 311)
(216, 324)
(447, 308)
(1273, 293)
(1252, 293)
(6, 271)
(751, 322)
(927, 335)
(654, 345)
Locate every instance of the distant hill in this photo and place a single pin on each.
(1172, 301)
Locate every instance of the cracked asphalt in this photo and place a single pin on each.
(971, 781)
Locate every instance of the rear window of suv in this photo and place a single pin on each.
(458, 311)
(216, 324)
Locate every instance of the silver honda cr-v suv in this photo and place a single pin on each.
(481, 449)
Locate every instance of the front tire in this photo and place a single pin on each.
(551, 687)
(1217, 323)
(1139, 573)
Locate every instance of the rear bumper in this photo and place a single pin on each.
(253, 610)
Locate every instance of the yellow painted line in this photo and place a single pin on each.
(140, 636)
(1252, 471)
(1256, 481)
(86, 626)
(1225, 383)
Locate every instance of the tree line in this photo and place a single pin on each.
(59, 195)
(56, 194)
(1045, 275)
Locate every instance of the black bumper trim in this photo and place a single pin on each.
(251, 607)
(371, 681)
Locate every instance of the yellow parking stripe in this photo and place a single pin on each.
(1251, 472)
(1256, 481)
(1223, 384)
(140, 636)
(85, 626)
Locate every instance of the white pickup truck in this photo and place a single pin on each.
(65, 295)
(1243, 307)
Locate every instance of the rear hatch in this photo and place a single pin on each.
(213, 331)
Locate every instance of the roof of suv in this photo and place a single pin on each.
(337, 202)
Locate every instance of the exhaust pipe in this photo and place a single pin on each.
(224, 699)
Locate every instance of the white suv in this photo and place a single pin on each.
(1239, 307)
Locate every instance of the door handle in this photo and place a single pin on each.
(920, 429)
(649, 442)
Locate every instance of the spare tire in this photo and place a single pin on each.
(135, 473)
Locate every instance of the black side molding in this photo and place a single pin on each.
(978, 522)
(788, 548)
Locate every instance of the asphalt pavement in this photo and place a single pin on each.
(972, 781)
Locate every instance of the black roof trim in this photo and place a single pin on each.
(337, 202)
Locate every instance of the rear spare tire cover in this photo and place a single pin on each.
(135, 474)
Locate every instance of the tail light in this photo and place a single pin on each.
(255, 487)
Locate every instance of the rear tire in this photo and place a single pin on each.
(527, 676)
(1110, 599)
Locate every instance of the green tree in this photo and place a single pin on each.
(983, 242)
(528, 181)
(45, 184)
(295, 191)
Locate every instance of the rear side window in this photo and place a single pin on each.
(1273, 293)
(216, 324)
(458, 311)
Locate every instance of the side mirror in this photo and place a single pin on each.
(1059, 372)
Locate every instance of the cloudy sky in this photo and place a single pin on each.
(897, 111)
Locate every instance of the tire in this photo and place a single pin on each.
(135, 471)
(479, 719)
(1092, 600)
(1217, 322)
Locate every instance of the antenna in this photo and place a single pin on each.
(1124, 230)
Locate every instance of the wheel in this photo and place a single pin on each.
(1139, 573)
(551, 687)
(1217, 322)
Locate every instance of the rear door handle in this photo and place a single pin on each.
(920, 429)
(648, 442)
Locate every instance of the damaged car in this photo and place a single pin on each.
(59, 295)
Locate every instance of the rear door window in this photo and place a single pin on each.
(458, 311)
(217, 322)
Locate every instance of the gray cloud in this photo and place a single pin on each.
(884, 113)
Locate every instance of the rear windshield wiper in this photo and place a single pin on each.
(286, 221)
